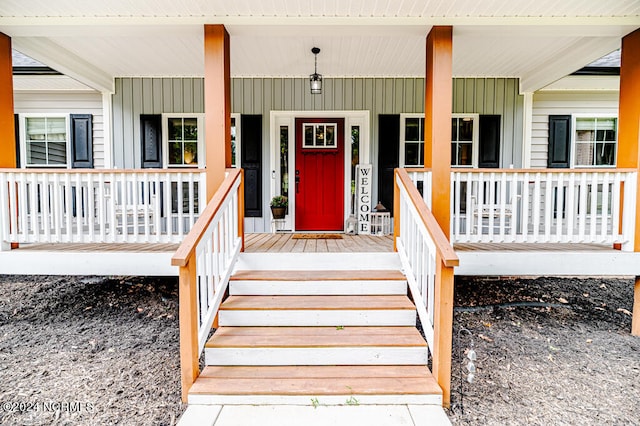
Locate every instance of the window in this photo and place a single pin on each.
(595, 140)
(45, 140)
(319, 135)
(464, 140)
(183, 140)
(235, 140)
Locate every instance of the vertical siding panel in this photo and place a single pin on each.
(360, 92)
(198, 95)
(287, 94)
(258, 98)
(118, 125)
(176, 87)
(187, 95)
(167, 95)
(347, 94)
(157, 96)
(499, 97)
(327, 95)
(338, 94)
(236, 95)
(490, 96)
(379, 98)
(127, 123)
(136, 109)
(508, 117)
(277, 99)
(399, 95)
(247, 95)
(147, 96)
(479, 96)
(299, 101)
(458, 99)
(409, 95)
(419, 91)
(470, 94)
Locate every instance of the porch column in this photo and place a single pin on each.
(437, 123)
(7, 123)
(217, 105)
(437, 156)
(629, 138)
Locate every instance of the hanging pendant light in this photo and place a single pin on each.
(315, 79)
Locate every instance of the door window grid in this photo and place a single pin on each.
(319, 135)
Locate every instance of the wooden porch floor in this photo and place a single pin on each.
(285, 243)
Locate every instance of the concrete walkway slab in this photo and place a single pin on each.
(292, 415)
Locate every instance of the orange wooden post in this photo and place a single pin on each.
(217, 105)
(7, 123)
(396, 209)
(442, 330)
(437, 124)
(629, 138)
(189, 367)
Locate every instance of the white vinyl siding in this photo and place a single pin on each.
(66, 103)
(565, 103)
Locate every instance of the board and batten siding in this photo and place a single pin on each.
(64, 102)
(495, 96)
(564, 103)
(135, 96)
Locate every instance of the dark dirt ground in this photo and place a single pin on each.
(109, 347)
(571, 362)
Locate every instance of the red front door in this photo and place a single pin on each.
(319, 174)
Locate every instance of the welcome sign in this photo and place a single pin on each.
(363, 197)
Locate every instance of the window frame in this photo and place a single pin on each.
(574, 129)
(23, 140)
(475, 139)
(200, 141)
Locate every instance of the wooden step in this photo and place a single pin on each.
(387, 310)
(272, 282)
(316, 346)
(331, 385)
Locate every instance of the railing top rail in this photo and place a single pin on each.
(580, 170)
(446, 252)
(104, 171)
(188, 247)
(417, 169)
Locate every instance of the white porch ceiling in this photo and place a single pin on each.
(538, 41)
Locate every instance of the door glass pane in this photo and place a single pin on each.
(284, 161)
(320, 136)
(308, 135)
(412, 129)
(330, 134)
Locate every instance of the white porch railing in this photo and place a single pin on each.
(135, 206)
(534, 206)
(206, 258)
(428, 260)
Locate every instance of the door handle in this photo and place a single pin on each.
(297, 181)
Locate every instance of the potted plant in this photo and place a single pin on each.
(279, 205)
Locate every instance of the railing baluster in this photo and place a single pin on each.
(572, 202)
(604, 231)
(593, 216)
(559, 204)
(582, 208)
(615, 207)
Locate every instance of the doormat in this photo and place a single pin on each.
(317, 237)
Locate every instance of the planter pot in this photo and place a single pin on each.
(278, 212)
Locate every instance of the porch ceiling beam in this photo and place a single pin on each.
(66, 62)
(560, 21)
(565, 61)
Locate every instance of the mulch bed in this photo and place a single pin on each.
(104, 350)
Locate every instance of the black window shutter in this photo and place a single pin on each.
(251, 155)
(16, 119)
(81, 141)
(489, 143)
(388, 157)
(559, 141)
(151, 140)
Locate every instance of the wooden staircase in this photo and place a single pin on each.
(333, 337)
